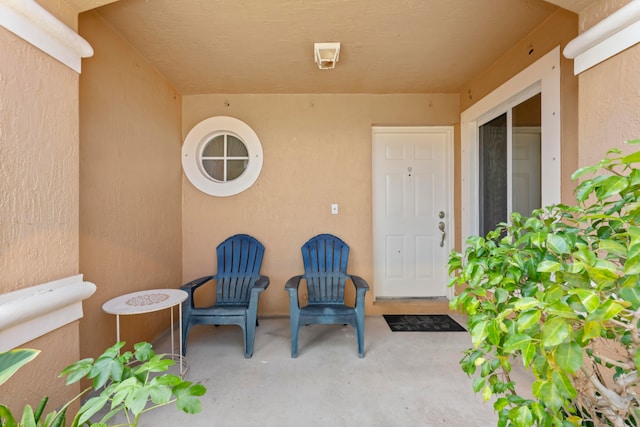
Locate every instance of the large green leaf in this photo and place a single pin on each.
(564, 385)
(631, 294)
(516, 342)
(585, 170)
(557, 244)
(528, 353)
(187, 394)
(12, 360)
(105, 368)
(527, 319)
(526, 303)
(521, 416)
(632, 265)
(606, 311)
(549, 266)
(479, 332)
(602, 277)
(612, 185)
(91, 407)
(613, 246)
(555, 332)
(589, 298)
(584, 190)
(494, 331)
(592, 329)
(7, 417)
(633, 157)
(569, 356)
(548, 394)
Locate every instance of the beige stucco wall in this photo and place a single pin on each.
(130, 185)
(39, 203)
(317, 151)
(557, 30)
(609, 96)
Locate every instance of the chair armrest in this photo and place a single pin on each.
(293, 284)
(261, 284)
(294, 303)
(195, 284)
(359, 282)
(361, 289)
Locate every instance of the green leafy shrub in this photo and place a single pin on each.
(127, 383)
(559, 290)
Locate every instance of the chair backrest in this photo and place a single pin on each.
(239, 262)
(325, 259)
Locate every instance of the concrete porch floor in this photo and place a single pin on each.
(405, 379)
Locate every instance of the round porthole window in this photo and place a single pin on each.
(222, 156)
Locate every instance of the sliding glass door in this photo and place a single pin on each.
(509, 164)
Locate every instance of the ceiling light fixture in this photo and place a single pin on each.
(326, 54)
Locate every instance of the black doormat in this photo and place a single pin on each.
(422, 323)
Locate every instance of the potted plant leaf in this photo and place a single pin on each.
(129, 384)
(559, 292)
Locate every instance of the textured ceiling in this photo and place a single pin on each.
(388, 46)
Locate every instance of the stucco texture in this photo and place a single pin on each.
(610, 106)
(317, 151)
(130, 185)
(609, 97)
(39, 203)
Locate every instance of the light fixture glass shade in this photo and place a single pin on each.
(326, 54)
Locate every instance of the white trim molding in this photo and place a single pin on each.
(32, 312)
(31, 22)
(543, 76)
(612, 35)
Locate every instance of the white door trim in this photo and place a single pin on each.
(448, 180)
(542, 76)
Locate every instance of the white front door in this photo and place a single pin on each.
(412, 210)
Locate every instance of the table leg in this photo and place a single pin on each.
(180, 337)
(171, 328)
(117, 328)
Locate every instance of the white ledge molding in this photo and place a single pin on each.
(612, 35)
(30, 21)
(29, 313)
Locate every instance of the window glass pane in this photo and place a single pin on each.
(214, 147)
(493, 174)
(214, 168)
(235, 147)
(525, 164)
(235, 168)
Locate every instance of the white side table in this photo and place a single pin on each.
(149, 301)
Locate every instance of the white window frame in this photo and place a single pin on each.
(542, 76)
(195, 142)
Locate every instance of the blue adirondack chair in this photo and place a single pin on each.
(238, 286)
(325, 259)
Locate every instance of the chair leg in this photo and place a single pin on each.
(360, 334)
(186, 325)
(294, 320)
(249, 336)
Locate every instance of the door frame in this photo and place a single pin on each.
(541, 76)
(449, 179)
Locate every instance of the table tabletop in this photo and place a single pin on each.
(145, 301)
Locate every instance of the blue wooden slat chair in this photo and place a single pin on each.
(325, 259)
(238, 286)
